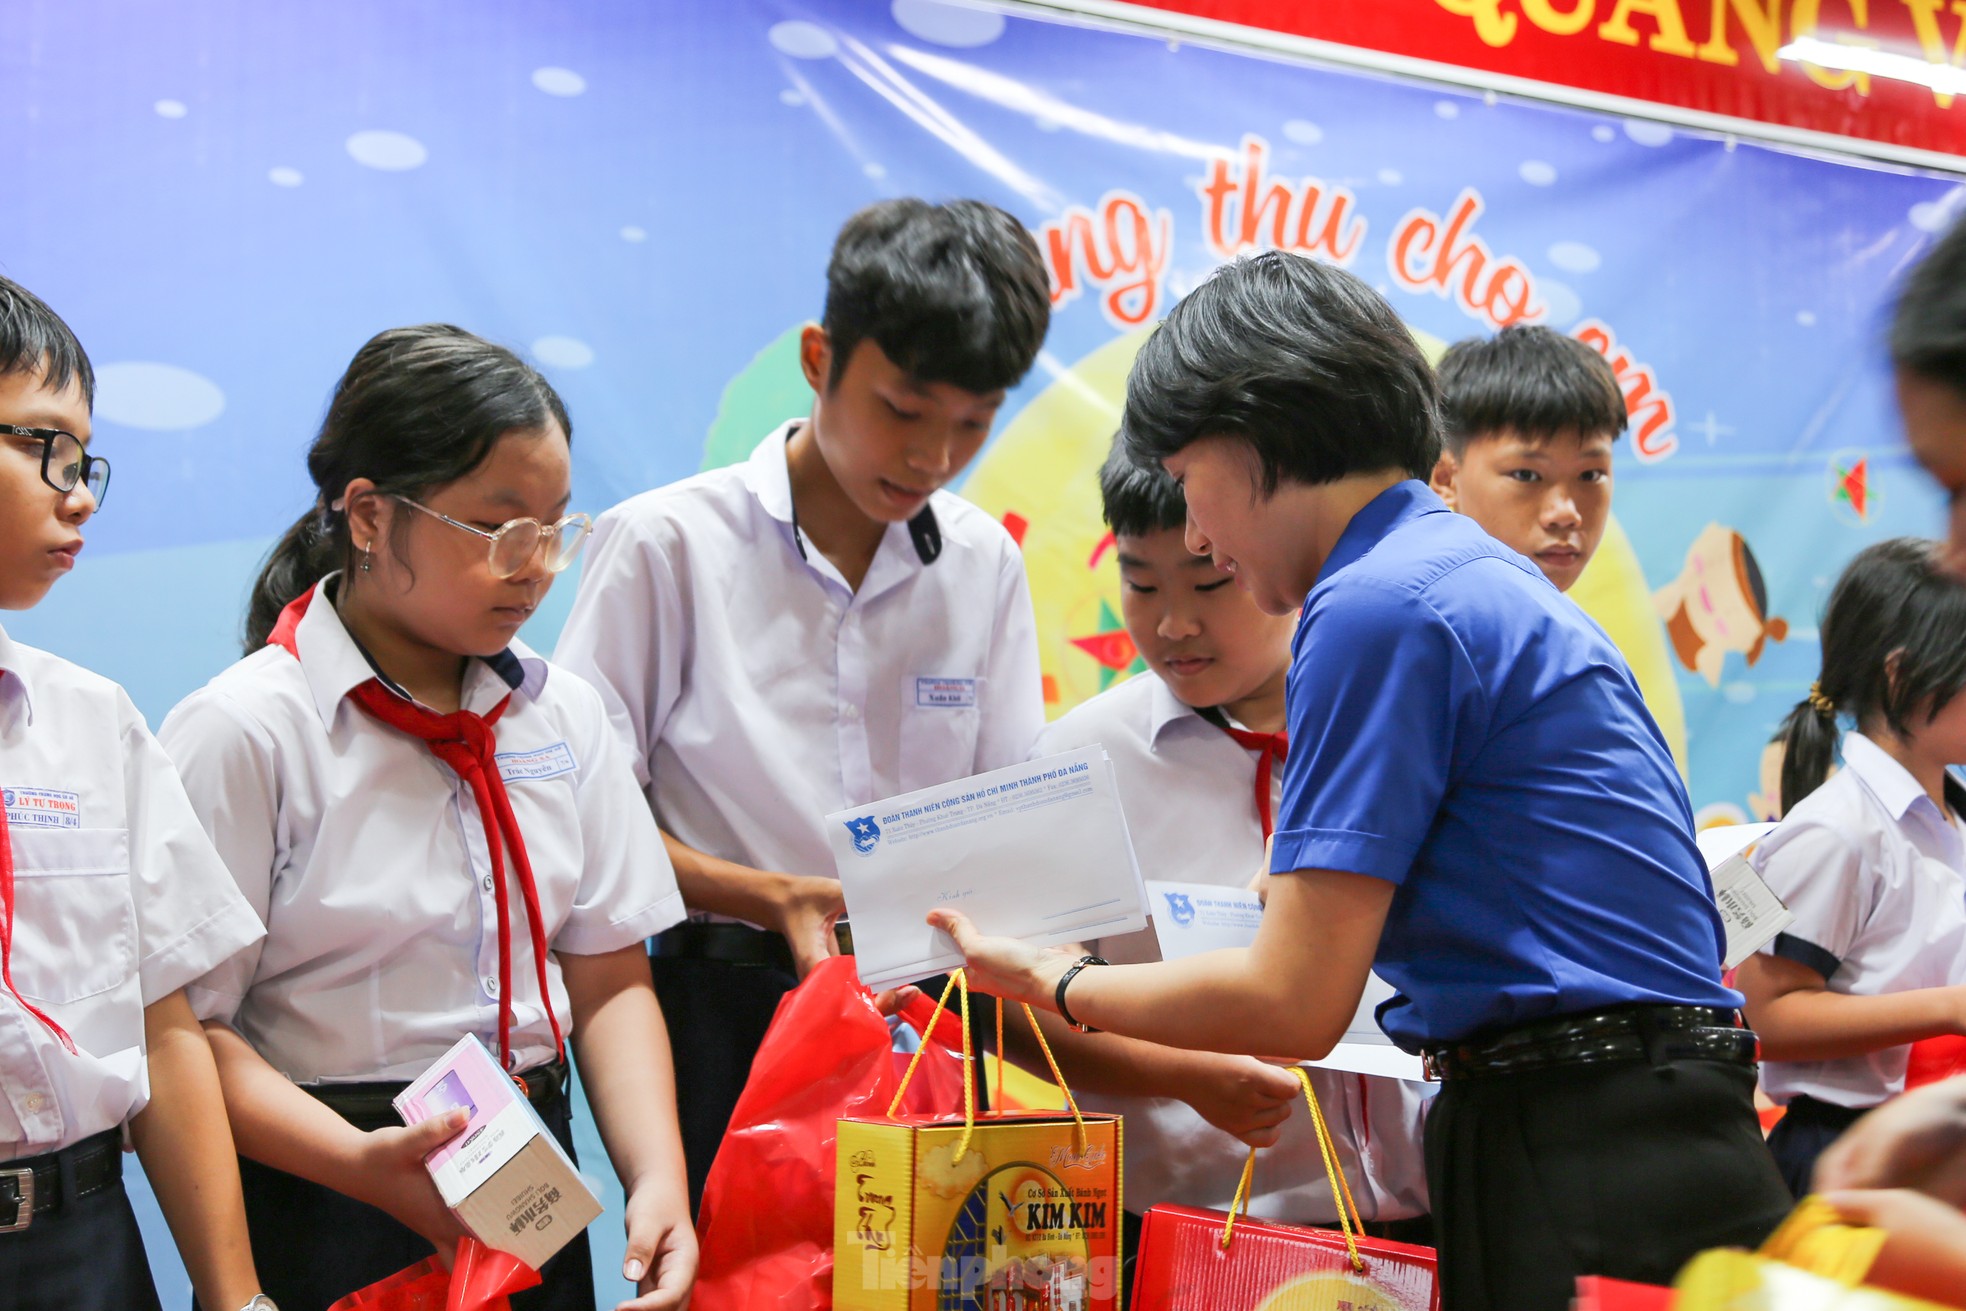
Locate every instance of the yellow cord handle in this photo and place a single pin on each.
(1334, 1171)
(959, 979)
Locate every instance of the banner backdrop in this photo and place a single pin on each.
(226, 198)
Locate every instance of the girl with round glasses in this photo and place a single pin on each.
(440, 831)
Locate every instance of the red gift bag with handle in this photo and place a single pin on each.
(766, 1230)
(1190, 1258)
(480, 1279)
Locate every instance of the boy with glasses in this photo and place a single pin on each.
(111, 901)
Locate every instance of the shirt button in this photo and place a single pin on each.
(851, 713)
(35, 1101)
(488, 883)
(491, 986)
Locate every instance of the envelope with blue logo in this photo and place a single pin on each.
(1037, 851)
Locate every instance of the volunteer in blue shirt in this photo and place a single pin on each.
(1476, 802)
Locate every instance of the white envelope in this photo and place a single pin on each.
(1749, 908)
(1190, 918)
(1038, 851)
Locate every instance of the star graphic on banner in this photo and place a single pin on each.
(1852, 486)
(1111, 647)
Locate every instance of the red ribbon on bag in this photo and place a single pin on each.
(7, 932)
(466, 742)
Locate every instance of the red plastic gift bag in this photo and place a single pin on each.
(480, 1279)
(1191, 1258)
(1933, 1059)
(766, 1228)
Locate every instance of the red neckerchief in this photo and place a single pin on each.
(1270, 748)
(465, 742)
(7, 933)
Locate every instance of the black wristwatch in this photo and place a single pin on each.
(1059, 995)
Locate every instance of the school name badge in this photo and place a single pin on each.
(41, 808)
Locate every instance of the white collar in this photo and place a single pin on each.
(334, 664)
(1165, 709)
(16, 697)
(768, 475)
(1890, 782)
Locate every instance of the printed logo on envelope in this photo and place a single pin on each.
(1179, 908)
(540, 762)
(945, 693)
(866, 834)
(41, 807)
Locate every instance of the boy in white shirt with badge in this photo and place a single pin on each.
(1197, 744)
(822, 625)
(111, 900)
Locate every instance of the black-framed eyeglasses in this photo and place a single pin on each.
(65, 463)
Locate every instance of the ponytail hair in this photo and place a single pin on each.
(1894, 655)
(417, 408)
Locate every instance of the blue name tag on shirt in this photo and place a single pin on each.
(945, 693)
(42, 808)
(540, 762)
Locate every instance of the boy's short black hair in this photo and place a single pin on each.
(33, 339)
(1529, 381)
(1138, 499)
(1928, 332)
(1303, 361)
(953, 293)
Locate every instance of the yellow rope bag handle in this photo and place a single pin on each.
(1334, 1171)
(960, 980)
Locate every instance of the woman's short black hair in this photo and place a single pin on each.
(1301, 360)
(1139, 499)
(1528, 381)
(33, 339)
(953, 293)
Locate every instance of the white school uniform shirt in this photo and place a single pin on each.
(119, 899)
(366, 857)
(760, 693)
(1876, 876)
(1188, 791)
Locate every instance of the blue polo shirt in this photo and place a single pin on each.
(1460, 729)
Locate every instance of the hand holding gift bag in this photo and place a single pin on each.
(480, 1279)
(766, 1229)
(1191, 1258)
(1016, 1211)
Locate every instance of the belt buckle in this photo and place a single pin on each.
(24, 1203)
(1429, 1067)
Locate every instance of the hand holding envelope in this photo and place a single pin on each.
(1038, 852)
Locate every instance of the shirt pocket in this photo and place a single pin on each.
(940, 717)
(74, 919)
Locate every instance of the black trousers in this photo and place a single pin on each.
(1803, 1133)
(1625, 1169)
(314, 1246)
(87, 1256)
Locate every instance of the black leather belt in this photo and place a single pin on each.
(370, 1106)
(1624, 1033)
(735, 944)
(32, 1185)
